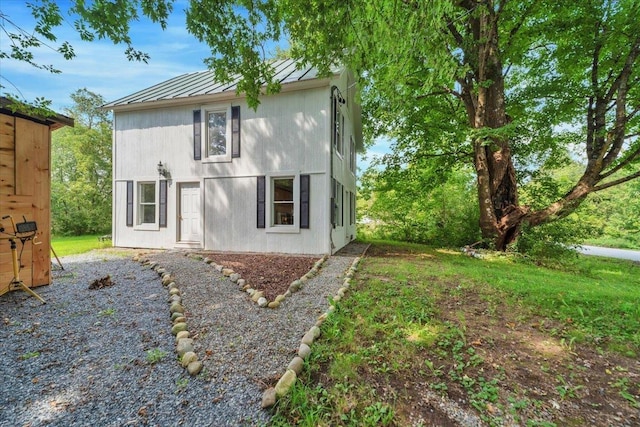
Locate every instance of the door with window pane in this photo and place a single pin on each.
(190, 223)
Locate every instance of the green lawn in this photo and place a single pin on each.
(70, 245)
(419, 318)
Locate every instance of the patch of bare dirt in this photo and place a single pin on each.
(269, 273)
(542, 379)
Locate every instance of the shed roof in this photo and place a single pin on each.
(15, 108)
(203, 83)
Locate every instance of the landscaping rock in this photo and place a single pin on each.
(296, 364)
(234, 277)
(184, 345)
(279, 298)
(174, 291)
(304, 351)
(262, 302)
(315, 331)
(285, 383)
(337, 298)
(308, 338)
(187, 358)
(178, 327)
(180, 319)
(207, 260)
(273, 304)
(241, 282)
(256, 296)
(175, 315)
(227, 272)
(176, 307)
(181, 335)
(194, 367)
(269, 398)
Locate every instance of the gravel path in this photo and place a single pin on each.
(87, 356)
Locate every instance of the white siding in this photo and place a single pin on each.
(288, 132)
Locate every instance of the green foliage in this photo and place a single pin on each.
(155, 355)
(29, 355)
(81, 170)
(420, 204)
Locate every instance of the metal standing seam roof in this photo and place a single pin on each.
(203, 83)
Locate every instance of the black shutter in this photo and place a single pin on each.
(163, 203)
(304, 201)
(235, 131)
(333, 202)
(197, 132)
(261, 201)
(129, 203)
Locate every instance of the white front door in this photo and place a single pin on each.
(190, 215)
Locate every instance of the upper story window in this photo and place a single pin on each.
(146, 203)
(217, 132)
(220, 133)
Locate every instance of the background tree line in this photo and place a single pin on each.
(81, 169)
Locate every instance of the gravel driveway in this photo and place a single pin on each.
(106, 357)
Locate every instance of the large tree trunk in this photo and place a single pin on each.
(483, 94)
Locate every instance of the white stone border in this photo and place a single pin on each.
(184, 343)
(294, 368)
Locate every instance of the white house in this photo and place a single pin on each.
(194, 167)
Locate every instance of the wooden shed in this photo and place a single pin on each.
(25, 189)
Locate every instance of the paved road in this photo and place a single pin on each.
(610, 252)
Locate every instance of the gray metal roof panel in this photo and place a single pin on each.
(203, 83)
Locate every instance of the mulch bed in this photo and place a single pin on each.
(271, 274)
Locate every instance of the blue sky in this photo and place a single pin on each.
(100, 66)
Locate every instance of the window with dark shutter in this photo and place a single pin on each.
(304, 200)
(197, 132)
(163, 203)
(261, 201)
(129, 203)
(235, 131)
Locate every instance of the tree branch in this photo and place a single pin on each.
(625, 162)
(616, 182)
(626, 70)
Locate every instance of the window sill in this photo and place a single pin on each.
(217, 159)
(147, 227)
(284, 229)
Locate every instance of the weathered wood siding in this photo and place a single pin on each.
(25, 191)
